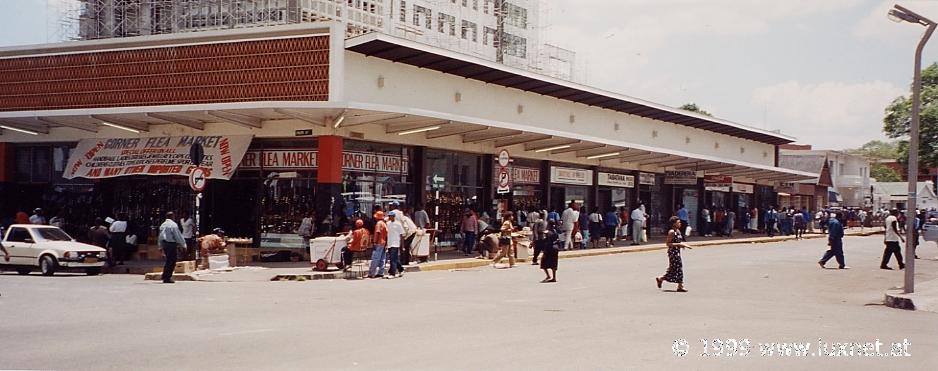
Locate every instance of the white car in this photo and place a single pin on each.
(50, 249)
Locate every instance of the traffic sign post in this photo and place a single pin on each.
(504, 181)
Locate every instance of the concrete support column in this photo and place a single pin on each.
(329, 199)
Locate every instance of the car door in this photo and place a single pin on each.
(20, 244)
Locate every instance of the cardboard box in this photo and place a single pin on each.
(185, 267)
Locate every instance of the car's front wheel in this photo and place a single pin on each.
(47, 265)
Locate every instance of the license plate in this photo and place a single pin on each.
(91, 260)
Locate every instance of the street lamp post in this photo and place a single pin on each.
(901, 14)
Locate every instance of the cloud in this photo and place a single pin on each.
(834, 115)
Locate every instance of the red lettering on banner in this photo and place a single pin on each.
(134, 169)
(112, 171)
(227, 167)
(93, 173)
(90, 154)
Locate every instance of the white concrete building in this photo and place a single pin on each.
(895, 195)
(850, 174)
(466, 26)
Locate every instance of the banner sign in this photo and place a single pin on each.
(680, 177)
(743, 188)
(109, 158)
(721, 181)
(646, 179)
(565, 175)
(616, 180)
(299, 159)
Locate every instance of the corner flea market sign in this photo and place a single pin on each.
(109, 158)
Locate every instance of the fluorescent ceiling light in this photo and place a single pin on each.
(552, 148)
(18, 130)
(421, 130)
(602, 156)
(116, 126)
(338, 121)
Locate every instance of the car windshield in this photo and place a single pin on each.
(52, 234)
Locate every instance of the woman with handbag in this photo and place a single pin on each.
(675, 272)
(551, 249)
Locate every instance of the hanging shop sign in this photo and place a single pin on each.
(522, 175)
(718, 183)
(298, 159)
(616, 180)
(743, 188)
(563, 175)
(503, 180)
(109, 158)
(646, 179)
(680, 177)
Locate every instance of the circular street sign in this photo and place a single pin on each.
(197, 179)
(503, 158)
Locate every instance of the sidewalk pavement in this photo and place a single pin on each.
(925, 297)
(452, 260)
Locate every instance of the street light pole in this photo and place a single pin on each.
(899, 14)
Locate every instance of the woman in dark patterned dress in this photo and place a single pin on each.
(675, 243)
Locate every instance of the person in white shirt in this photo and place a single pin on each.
(118, 240)
(638, 224)
(187, 224)
(892, 241)
(37, 217)
(410, 233)
(569, 219)
(395, 237)
(595, 227)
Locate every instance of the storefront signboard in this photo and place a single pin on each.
(680, 177)
(646, 179)
(299, 159)
(99, 158)
(563, 175)
(721, 181)
(616, 180)
(522, 175)
(743, 188)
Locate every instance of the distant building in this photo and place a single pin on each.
(903, 171)
(895, 195)
(849, 174)
(465, 26)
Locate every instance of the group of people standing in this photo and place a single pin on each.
(390, 235)
(717, 221)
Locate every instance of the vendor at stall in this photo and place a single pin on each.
(212, 244)
(357, 242)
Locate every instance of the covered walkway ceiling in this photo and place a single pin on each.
(423, 56)
(403, 125)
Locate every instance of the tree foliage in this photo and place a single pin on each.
(693, 108)
(898, 121)
(877, 150)
(883, 173)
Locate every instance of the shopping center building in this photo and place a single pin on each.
(296, 119)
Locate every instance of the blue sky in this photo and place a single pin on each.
(820, 70)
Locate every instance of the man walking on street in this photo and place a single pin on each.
(170, 240)
(638, 224)
(835, 239)
(380, 241)
(395, 238)
(892, 241)
(771, 217)
(569, 218)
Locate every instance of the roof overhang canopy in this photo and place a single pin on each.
(423, 56)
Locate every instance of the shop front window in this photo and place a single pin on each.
(453, 184)
(375, 174)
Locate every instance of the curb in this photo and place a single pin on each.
(176, 277)
(898, 301)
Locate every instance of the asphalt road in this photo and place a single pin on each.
(605, 313)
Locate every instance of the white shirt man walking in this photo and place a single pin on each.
(892, 239)
(638, 224)
(569, 219)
